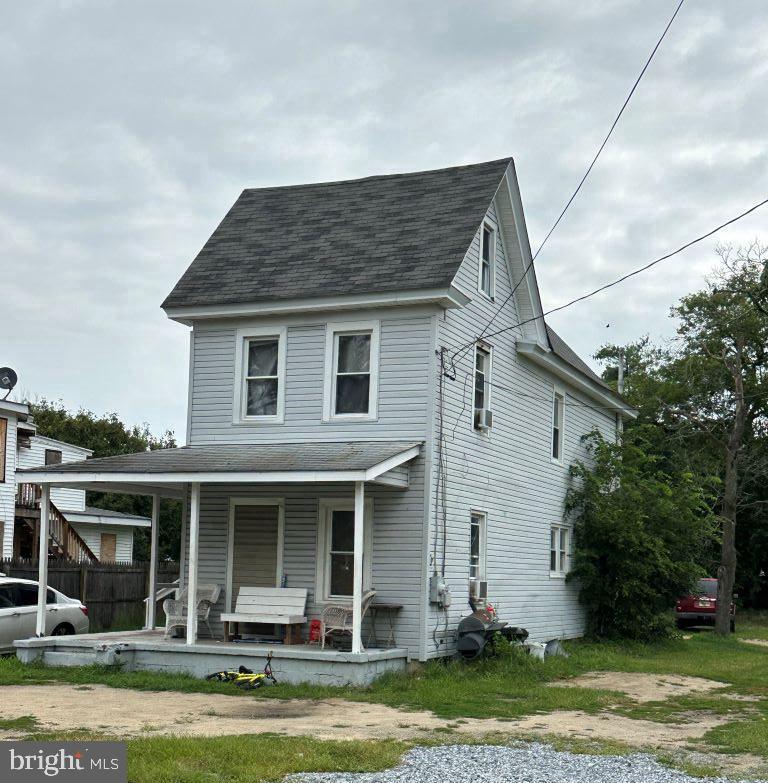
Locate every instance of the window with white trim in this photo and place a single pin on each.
(558, 420)
(260, 383)
(336, 566)
(352, 357)
(559, 550)
(482, 379)
(487, 270)
(477, 530)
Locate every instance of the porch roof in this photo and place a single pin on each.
(166, 469)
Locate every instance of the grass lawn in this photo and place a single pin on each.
(505, 688)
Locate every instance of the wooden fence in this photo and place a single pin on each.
(113, 592)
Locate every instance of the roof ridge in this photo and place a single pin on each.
(374, 177)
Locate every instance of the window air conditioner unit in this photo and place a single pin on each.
(478, 590)
(483, 419)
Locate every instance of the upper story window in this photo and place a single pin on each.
(487, 272)
(558, 421)
(482, 418)
(352, 369)
(260, 385)
(52, 457)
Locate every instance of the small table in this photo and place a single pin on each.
(390, 610)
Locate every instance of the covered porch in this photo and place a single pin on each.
(317, 517)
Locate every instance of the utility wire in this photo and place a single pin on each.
(584, 178)
(613, 126)
(621, 279)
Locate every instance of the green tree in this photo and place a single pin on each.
(706, 395)
(639, 530)
(721, 369)
(106, 436)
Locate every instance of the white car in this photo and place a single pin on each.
(18, 612)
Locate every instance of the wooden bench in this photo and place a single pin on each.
(268, 606)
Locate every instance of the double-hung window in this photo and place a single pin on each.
(559, 550)
(351, 383)
(486, 282)
(558, 421)
(477, 532)
(482, 390)
(336, 566)
(260, 385)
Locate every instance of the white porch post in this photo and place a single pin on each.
(183, 546)
(152, 598)
(357, 589)
(194, 536)
(42, 573)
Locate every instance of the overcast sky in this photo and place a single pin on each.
(129, 128)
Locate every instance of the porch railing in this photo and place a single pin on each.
(28, 495)
(64, 540)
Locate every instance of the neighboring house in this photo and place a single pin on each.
(375, 400)
(80, 532)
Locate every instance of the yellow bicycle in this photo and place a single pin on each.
(245, 678)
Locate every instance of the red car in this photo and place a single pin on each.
(699, 608)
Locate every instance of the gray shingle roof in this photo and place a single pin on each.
(379, 234)
(567, 354)
(359, 455)
(92, 511)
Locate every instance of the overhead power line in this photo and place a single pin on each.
(621, 279)
(610, 131)
(586, 173)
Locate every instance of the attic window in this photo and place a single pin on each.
(487, 271)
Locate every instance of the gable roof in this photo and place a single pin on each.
(399, 232)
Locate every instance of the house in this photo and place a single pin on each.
(375, 400)
(79, 532)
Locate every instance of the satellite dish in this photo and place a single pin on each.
(8, 378)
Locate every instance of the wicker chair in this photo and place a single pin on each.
(176, 608)
(338, 617)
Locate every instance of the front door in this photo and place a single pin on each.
(255, 546)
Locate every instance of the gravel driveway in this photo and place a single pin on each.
(532, 763)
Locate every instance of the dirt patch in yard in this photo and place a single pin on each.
(126, 712)
(644, 687)
(758, 642)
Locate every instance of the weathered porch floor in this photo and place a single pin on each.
(151, 651)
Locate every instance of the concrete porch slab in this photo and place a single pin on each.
(151, 651)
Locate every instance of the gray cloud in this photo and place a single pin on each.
(129, 128)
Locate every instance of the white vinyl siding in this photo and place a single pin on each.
(406, 359)
(507, 472)
(64, 498)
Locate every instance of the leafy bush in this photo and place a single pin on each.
(641, 529)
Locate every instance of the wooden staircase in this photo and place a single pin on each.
(63, 540)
